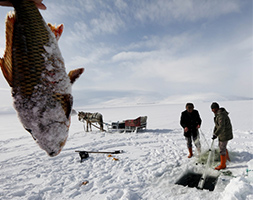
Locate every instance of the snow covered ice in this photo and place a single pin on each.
(148, 168)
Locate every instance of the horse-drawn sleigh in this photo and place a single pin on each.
(129, 125)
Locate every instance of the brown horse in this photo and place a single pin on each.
(91, 118)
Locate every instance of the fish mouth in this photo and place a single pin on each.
(52, 154)
(55, 153)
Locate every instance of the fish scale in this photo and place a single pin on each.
(29, 58)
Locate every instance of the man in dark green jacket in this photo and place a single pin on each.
(222, 130)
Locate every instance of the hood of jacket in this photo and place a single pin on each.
(222, 111)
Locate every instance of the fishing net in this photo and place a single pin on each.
(215, 157)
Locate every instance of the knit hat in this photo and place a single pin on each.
(215, 105)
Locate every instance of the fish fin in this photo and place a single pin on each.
(67, 104)
(74, 74)
(57, 30)
(66, 101)
(6, 62)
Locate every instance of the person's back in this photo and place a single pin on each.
(223, 126)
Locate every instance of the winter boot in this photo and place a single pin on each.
(222, 165)
(227, 155)
(190, 153)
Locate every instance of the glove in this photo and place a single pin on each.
(214, 137)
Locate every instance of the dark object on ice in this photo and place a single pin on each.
(192, 179)
(85, 154)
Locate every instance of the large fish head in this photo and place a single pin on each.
(48, 125)
(54, 122)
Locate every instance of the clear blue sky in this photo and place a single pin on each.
(154, 49)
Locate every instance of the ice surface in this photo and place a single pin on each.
(148, 169)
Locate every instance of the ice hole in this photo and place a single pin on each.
(191, 179)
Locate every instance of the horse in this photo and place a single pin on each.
(91, 118)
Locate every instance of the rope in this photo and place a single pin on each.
(203, 137)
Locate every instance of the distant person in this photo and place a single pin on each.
(191, 121)
(38, 3)
(222, 130)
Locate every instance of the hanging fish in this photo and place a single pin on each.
(34, 68)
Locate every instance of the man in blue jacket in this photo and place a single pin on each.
(191, 121)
